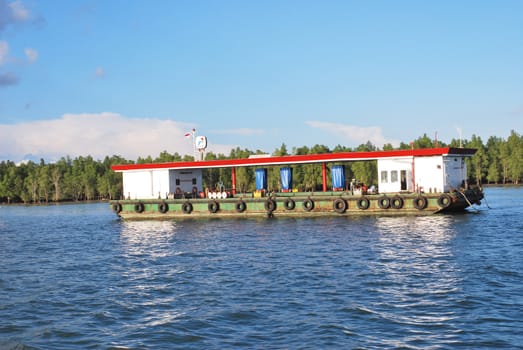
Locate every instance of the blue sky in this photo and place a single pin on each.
(131, 77)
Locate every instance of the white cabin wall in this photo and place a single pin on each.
(394, 165)
(137, 184)
(455, 172)
(429, 174)
(145, 184)
(160, 183)
(384, 181)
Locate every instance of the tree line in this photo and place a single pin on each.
(498, 161)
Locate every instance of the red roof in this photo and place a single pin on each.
(298, 159)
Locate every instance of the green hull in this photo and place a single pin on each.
(297, 205)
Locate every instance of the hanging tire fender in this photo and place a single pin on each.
(340, 205)
(384, 202)
(270, 205)
(420, 202)
(117, 208)
(289, 204)
(396, 202)
(163, 207)
(213, 206)
(308, 204)
(240, 206)
(363, 203)
(139, 207)
(444, 201)
(187, 207)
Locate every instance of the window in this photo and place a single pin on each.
(394, 176)
(384, 177)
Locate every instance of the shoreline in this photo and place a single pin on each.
(54, 203)
(108, 200)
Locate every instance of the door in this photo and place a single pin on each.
(403, 180)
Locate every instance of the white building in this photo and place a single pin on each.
(436, 173)
(161, 183)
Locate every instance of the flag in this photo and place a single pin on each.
(189, 133)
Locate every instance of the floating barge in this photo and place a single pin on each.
(418, 181)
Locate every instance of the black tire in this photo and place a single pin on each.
(396, 202)
(163, 207)
(117, 208)
(240, 206)
(139, 207)
(339, 205)
(213, 206)
(384, 202)
(444, 201)
(308, 204)
(420, 202)
(270, 205)
(363, 203)
(289, 204)
(187, 207)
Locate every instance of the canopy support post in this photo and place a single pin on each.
(324, 176)
(233, 180)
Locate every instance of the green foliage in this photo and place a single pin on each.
(499, 161)
(83, 178)
(479, 162)
(494, 160)
(515, 159)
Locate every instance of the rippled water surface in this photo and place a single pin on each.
(75, 277)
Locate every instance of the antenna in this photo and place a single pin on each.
(460, 138)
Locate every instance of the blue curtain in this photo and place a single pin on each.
(338, 177)
(261, 179)
(286, 178)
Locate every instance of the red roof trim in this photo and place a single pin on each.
(297, 159)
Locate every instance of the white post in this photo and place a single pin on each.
(195, 155)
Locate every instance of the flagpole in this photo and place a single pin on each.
(194, 143)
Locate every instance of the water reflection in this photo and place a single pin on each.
(432, 228)
(148, 274)
(150, 238)
(150, 228)
(417, 270)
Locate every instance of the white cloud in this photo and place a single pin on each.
(97, 135)
(18, 11)
(238, 131)
(31, 54)
(4, 50)
(354, 134)
(11, 14)
(7, 78)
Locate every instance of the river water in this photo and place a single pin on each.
(76, 277)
